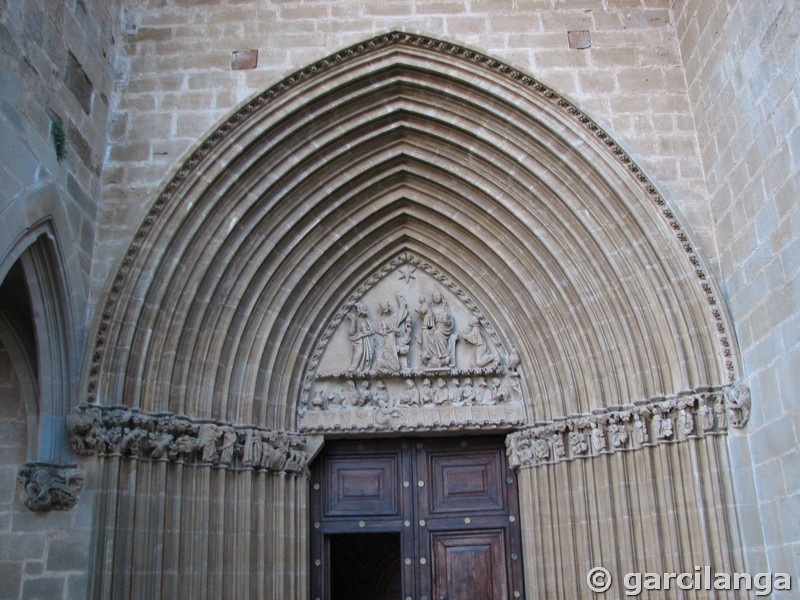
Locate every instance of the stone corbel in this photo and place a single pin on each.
(737, 400)
(50, 487)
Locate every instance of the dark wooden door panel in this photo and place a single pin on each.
(469, 566)
(471, 482)
(451, 503)
(359, 486)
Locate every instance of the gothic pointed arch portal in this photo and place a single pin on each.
(585, 288)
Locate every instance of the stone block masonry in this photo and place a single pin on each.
(79, 83)
(57, 65)
(42, 555)
(743, 85)
(630, 80)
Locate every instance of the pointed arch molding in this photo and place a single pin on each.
(406, 144)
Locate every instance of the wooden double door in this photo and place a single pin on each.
(419, 519)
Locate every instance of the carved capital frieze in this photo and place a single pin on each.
(130, 433)
(50, 487)
(688, 415)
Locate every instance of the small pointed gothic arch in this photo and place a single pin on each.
(18, 342)
(38, 332)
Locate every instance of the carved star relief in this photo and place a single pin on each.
(407, 273)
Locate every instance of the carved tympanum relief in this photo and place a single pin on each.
(408, 351)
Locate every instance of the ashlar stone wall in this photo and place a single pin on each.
(12, 454)
(177, 81)
(42, 555)
(742, 64)
(56, 66)
(56, 72)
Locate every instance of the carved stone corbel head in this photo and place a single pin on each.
(50, 487)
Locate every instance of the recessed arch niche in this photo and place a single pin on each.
(406, 144)
(37, 329)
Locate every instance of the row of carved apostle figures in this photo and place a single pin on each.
(457, 393)
(384, 345)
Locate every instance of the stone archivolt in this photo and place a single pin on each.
(121, 431)
(404, 144)
(689, 415)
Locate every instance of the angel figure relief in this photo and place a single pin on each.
(478, 351)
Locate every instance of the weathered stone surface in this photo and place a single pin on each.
(66, 555)
(78, 83)
(244, 59)
(23, 546)
(80, 146)
(579, 40)
(11, 576)
(42, 588)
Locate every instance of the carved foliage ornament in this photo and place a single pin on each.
(690, 415)
(122, 431)
(410, 350)
(50, 487)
